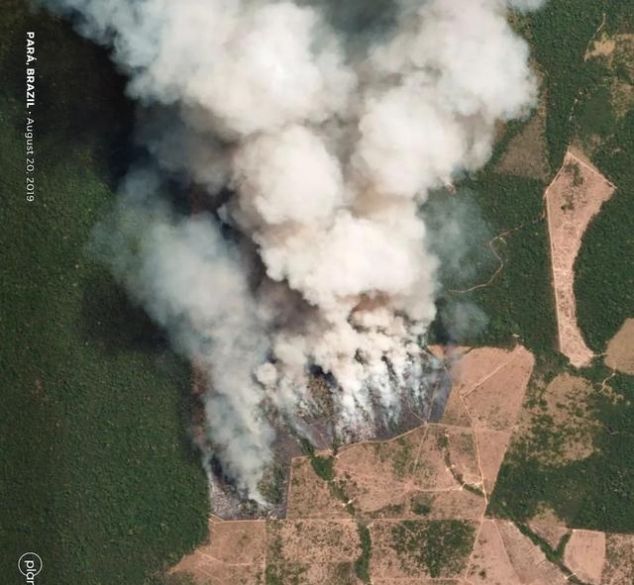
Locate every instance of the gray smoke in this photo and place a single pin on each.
(330, 131)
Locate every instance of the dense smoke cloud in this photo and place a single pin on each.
(329, 136)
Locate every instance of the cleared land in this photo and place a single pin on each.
(412, 509)
(235, 554)
(585, 555)
(526, 154)
(619, 569)
(572, 200)
(404, 510)
(487, 395)
(620, 352)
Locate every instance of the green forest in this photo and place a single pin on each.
(98, 476)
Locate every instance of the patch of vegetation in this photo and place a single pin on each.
(604, 284)
(362, 564)
(278, 570)
(402, 458)
(390, 510)
(272, 485)
(440, 547)
(283, 573)
(559, 34)
(421, 507)
(323, 466)
(180, 579)
(519, 303)
(592, 493)
(98, 475)
(555, 556)
(576, 92)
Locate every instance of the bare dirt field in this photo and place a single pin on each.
(492, 383)
(487, 394)
(573, 198)
(490, 563)
(527, 560)
(504, 556)
(620, 352)
(309, 496)
(585, 555)
(416, 582)
(379, 474)
(548, 526)
(312, 552)
(235, 554)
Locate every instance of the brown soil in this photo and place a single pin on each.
(527, 560)
(602, 47)
(573, 198)
(620, 352)
(488, 391)
(619, 568)
(416, 582)
(458, 504)
(313, 552)
(463, 457)
(548, 526)
(490, 563)
(492, 446)
(526, 153)
(235, 554)
(585, 555)
(455, 412)
(492, 384)
(379, 474)
(309, 496)
(435, 472)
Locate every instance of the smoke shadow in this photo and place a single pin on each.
(111, 320)
(80, 99)
(116, 326)
(360, 19)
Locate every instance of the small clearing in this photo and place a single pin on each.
(620, 352)
(548, 526)
(574, 197)
(526, 154)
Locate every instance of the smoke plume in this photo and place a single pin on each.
(316, 129)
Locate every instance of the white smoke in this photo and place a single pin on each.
(330, 140)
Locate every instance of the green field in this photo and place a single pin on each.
(97, 474)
